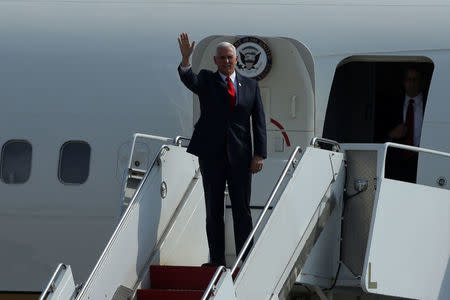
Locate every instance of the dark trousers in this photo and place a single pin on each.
(215, 173)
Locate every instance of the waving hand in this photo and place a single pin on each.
(186, 49)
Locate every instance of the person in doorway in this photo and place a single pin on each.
(222, 141)
(406, 127)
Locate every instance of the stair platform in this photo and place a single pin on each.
(177, 282)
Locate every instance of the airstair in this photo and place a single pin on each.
(332, 220)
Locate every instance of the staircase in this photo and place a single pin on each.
(177, 282)
(167, 210)
(299, 241)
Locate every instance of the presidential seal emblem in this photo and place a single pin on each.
(254, 57)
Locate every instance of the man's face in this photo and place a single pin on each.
(412, 83)
(225, 60)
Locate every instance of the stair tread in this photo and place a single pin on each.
(154, 268)
(170, 290)
(181, 277)
(169, 294)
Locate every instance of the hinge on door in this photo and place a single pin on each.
(371, 284)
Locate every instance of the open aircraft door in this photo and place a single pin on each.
(409, 241)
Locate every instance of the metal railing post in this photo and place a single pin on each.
(208, 290)
(316, 140)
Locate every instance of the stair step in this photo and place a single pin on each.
(157, 294)
(180, 277)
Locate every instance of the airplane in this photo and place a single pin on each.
(79, 78)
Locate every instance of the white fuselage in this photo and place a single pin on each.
(99, 71)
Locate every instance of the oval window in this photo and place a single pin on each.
(16, 161)
(74, 162)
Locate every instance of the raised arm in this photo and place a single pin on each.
(187, 76)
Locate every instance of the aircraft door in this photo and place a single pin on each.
(351, 105)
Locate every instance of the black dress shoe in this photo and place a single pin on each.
(214, 264)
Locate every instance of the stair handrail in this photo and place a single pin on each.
(142, 135)
(416, 149)
(179, 139)
(208, 290)
(51, 284)
(315, 143)
(290, 161)
(410, 148)
(161, 151)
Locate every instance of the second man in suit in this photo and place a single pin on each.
(406, 127)
(222, 141)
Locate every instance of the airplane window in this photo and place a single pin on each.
(74, 162)
(16, 162)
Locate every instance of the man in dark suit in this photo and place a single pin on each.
(405, 127)
(222, 141)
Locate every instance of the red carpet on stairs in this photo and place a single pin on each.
(174, 282)
(169, 294)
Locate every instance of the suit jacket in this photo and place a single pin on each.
(218, 129)
(394, 116)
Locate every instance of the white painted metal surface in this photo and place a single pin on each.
(316, 259)
(285, 233)
(61, 285)
(224, 288)
(144, 226)
(408, 250)
(409, 234)
(321, 265)
(317, 181)
(408, 253)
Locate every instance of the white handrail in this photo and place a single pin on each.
(266, 207)
(141, 135)
(218, 272)
(51, 284)
(416, 149)
(316, 140)
(177, 141)
(410, 148)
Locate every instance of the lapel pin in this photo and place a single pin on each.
(240, 84)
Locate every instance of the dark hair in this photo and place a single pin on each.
(413, 68)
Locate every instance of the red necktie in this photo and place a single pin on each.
(231, 93)
(409, 122)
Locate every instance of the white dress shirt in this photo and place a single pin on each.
(418, 116)
(224, 78)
